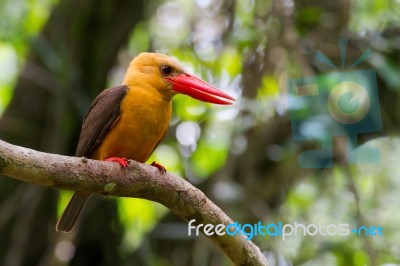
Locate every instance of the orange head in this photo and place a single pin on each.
(168, 77)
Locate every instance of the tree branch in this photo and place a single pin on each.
(139, 181)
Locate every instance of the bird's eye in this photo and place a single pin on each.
(166, 70)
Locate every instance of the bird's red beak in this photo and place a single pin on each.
(198, 89)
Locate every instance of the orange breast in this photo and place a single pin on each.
(142, 124)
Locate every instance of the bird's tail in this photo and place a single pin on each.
(71, 213)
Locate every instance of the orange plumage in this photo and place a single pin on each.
(129, 121)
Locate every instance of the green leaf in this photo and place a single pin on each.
(208, 158)
(139, 217)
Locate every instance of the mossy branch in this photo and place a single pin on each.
(137, 181)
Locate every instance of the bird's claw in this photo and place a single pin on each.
(122, 161)
(160, 167)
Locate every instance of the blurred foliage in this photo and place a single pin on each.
(20, 21)
(373, 15)
(139, 217)
(243, 156)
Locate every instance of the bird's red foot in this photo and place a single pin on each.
(160, 167)
(122, 161)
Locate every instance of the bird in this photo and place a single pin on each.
(128, 122)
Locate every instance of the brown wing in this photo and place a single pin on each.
(102, 114)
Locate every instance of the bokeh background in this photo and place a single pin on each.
(57, 55)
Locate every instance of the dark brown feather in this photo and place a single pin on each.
(102, 115)
(72, 211)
